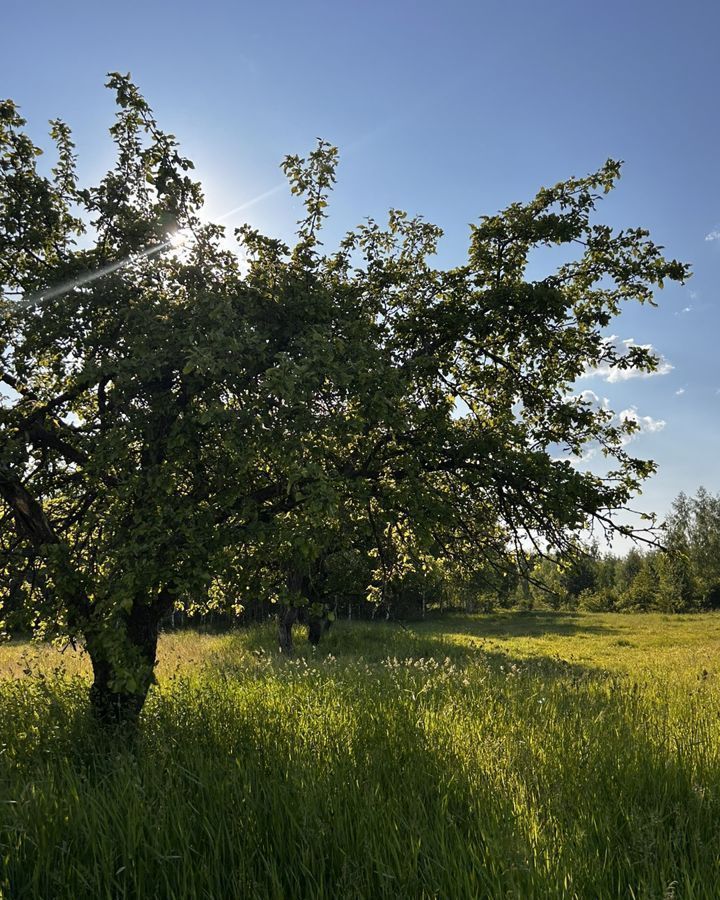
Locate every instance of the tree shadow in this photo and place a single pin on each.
(326, 788)
(490, 637)
(466, 640)
(512, 624)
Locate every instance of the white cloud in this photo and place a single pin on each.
(646, 424)
(713, 235)
(679, 392)
(587, 454)
(612, 375)
(588, 396)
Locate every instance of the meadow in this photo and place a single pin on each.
(503, 755)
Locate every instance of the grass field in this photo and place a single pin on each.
(508, 755)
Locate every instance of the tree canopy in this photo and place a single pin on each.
(170, 414)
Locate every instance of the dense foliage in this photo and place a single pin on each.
(677, 572)
(176, 427)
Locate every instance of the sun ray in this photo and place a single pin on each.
(65, 287)
(177, 240)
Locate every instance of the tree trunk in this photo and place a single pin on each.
(315, 629)
(110, 706)
(288, 614)
(287, 617)
(317, 626)
(131, 663)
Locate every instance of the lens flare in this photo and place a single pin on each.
(177, 241)
(66, 286)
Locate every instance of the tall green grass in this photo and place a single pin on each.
(444, 762)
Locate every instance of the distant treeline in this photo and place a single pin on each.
(683, 575)
(680, 574)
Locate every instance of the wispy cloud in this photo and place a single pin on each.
(713, 235)
(679, 392)
(588, 396)
(646, 424)
(611, 374)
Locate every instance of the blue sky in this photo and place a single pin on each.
(451, 110)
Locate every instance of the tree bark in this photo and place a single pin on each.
(33, 524)
(110, 706)
(138, 640)
(315, 629)
(287, 617)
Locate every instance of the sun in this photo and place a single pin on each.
(179, 239)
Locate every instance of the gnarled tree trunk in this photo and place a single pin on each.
(287, 617)
(134, 652)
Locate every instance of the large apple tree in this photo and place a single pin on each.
(166, 408)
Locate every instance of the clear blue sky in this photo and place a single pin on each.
(451, 110)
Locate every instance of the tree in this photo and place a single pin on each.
(692, 538)
(165, 410)
(677, 588)
(642, 592)
(561, 580)
(628, 569)
(147, 406)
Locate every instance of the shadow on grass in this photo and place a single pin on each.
(220, 804)
(339, 789)
(464, 639)
(533, 623)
